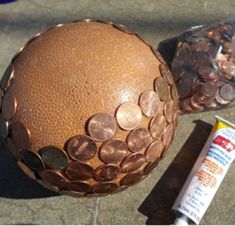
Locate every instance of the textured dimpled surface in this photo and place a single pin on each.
(72, 72)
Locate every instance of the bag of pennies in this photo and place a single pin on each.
(204, 67)
(90, 113)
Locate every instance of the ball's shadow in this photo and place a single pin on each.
(14, 183)
(157, 205)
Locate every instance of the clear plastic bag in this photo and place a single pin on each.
(204, 67)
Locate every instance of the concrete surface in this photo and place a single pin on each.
(22, 201)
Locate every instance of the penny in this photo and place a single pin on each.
(167, 134)
(105, 187)
(169, 110)
(149, 103)
(54, 157)
(113, 151)
(102, 126)
(32, 159)
(132, 178)
(107, 172)
(157, 125)
(154, 151)
(7, 76)
(161, 87)
(174, 93)
(122, 28)
(209, 89)
(4, 127)
(78, 186)
(9, 106)
(20, 134)
(1, 97)
(184, 86)
(158, 55)
(138, 139)
(48, 186)
(81, 147)
(54, 178)
(79, 171)
(227, 92)
(132, 162)
(75, 194)
(13, 149)
(26, 170)
(150, 166)
(219, 99)
(165, 72)
(128, 115)
(207, 73)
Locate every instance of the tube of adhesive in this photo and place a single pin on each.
(207, 174)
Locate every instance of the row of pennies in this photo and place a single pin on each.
(203, 66)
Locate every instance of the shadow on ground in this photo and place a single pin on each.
(14, 183)
(157, 205)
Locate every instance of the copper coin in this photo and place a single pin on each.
(132, 178)
(26, 170)
(157, 125)
(48, 186)
(81, 147)
(132, 162)
(9, 106)
(138, 139)
(227, 92)
(167, 134)
(105, 187)
(219, 99)
(7, 76)
(194, 105)
(78, 186)
(122, 28)
(20, 134)
(150, 166)
(13, 149)
(184, 86)
(209, 89)
(32, 159)
(128, 115)
(102, 126)
(4, 127)
(113, 151)
(158, 55)
(165, 72)
(174, 93)
(161, 87)
(75, 194)
(54, 178)
(54, 157)
(107, 172)
(154, 151)
(169, 110)
(1, 97)
(149, 103)
(79, 171)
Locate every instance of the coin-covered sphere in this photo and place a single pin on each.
(88, 108)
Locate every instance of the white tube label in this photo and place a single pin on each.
(207, 173)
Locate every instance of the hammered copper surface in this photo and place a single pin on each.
(81, 147)
(79, 171)
(54, 157)
(128, 115)
(20, 135)
(102, 126)
(138, 139)
(113, 151)
(9, 106)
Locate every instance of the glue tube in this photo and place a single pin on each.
(207, 174)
